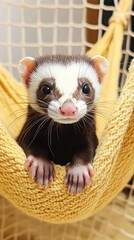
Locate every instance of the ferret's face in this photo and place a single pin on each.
(63, 88)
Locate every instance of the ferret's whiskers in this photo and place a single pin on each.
(30, 126)
(53, 111)
(103, 112)
(83, 121)
(103, 115)
(5, 105)
(77, 125)
(57, 126)
(32, 100)
(89, 117)
(100, 112)
(26, 101)
(81, 111)
(106, 103)
(38, 129)
(106, 112)
(18, 103)
(16, 112)
(21, 95)
(90, 114)
(51, 124)
(40, 101)
(15, 120)
(49, 137)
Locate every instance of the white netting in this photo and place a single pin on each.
(39, 27)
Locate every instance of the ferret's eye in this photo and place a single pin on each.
(85, 89)
(46, 89)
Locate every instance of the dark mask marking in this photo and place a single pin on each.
(45, 99)
(79, 95)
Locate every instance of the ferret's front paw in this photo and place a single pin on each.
(78, 176)
(40, 169)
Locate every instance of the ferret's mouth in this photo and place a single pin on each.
(67, 120)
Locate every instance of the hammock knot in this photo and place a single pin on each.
(120, 18)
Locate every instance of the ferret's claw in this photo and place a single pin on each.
(40, 169)
(78, 177)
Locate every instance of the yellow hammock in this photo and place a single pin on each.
(114, 161)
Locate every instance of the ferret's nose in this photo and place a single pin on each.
(68, 109)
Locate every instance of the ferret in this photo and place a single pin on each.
(60, 126)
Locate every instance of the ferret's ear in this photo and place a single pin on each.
(101, 66)
(25, 67)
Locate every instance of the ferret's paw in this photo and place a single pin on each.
(40, 169)
(77, 177)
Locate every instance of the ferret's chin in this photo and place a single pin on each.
(66, 120)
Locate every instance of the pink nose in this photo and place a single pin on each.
(68, 109)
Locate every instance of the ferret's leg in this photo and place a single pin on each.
(78, 176)
(80, 170)
(40, 169)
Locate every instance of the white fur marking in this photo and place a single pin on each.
(53, 112)
(66, 78)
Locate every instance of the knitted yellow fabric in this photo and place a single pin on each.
(114, 161)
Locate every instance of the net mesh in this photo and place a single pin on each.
(38, 27)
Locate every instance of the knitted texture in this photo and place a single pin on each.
(113, 165)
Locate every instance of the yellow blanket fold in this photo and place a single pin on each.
(114, 161)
